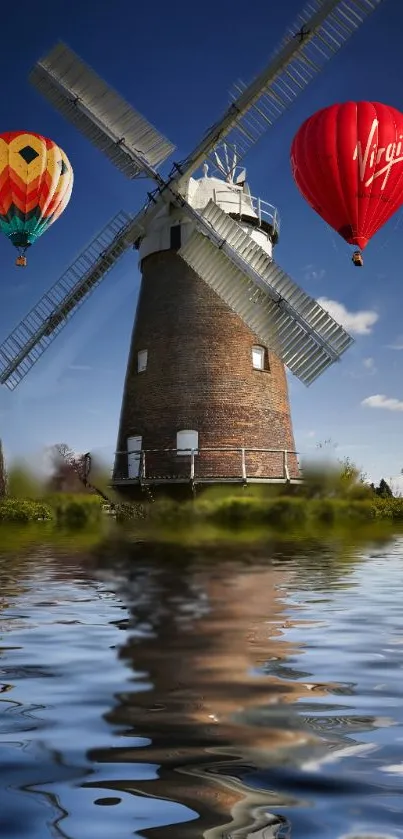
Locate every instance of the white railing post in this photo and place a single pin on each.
(192, 465)
(285, 463)
(244, 475)
(259, 211)
(143, 465)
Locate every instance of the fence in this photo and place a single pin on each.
(243, 204)
(206, 465)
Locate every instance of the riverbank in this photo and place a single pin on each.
(250, 509)
(279, 511)
(178, 545)
(60, 508)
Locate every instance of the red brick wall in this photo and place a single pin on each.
(199, 376)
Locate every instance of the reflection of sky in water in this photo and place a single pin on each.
(259, 700)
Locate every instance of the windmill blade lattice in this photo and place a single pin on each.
(29, 340)
(282, 316)
(102, 115)
(327, 24)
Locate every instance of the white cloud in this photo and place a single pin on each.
(398, 344)
(311, 434)
(358, 373)
(358, 323)
(369, 365)
(312, 273)
(385, 402)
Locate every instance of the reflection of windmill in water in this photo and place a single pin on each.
(212, 715)
(205, 396)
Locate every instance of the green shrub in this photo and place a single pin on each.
(76, 510)
(231, 511)
(360, 510)
(278, 511)
(167, 510)
(127, 512)
(360, 492)
(323, 510)
(23, 510)
(388, 508)
(286, 511)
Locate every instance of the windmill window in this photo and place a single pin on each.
(187, 441)
(134, 446)
(260, 358)
(175, 241)
(142, 358)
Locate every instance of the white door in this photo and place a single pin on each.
(134, 445)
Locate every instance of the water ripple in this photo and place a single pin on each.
(259, 699)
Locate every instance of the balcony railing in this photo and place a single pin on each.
(206, 465)
(243, 204)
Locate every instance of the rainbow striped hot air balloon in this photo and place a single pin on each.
(36, 181)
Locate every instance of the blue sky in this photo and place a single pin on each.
(176, 63)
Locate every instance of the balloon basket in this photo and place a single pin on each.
(357, 259)
(21, 261)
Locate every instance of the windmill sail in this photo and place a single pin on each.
(103, 116)
(281, 315)
(284, 318)
(136, 148)
(29, 340)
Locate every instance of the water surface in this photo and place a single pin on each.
(254, 693)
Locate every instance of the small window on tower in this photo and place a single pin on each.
(142, 357)
(134, 446)
(175, 242)
(260, 358)
(187, 441)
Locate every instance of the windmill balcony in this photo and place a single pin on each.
(206, 466)
(242, 206)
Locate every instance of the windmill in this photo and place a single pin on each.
(205, 395)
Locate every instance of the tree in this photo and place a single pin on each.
(65, 469)
(71, 473)
(384, 490)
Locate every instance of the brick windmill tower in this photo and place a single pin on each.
(205, 397)
(198, 378)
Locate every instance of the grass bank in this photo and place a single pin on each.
(252, 507)
(255, 517)
(61, 508)
(281, 512)
(315, 511)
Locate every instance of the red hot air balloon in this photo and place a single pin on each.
(347, 161)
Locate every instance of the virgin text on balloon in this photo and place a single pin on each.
(373, 156)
